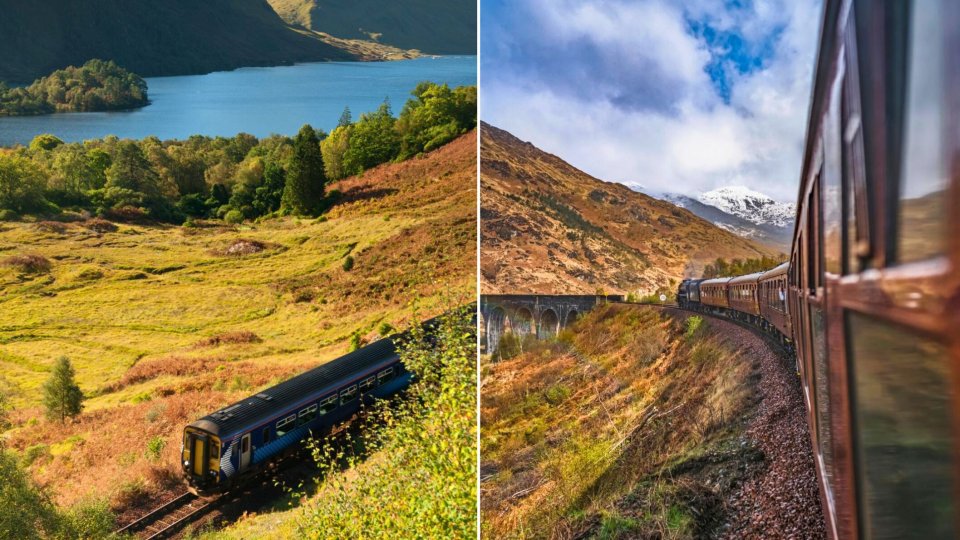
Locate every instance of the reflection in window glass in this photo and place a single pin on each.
(822, 392)
(921, 211)
(902, 430)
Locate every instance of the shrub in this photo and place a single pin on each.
(239, 336)
(92, 519)
(355, 341)
(35, 452)
(28, 264)
(234, 217)
(50, 227)
(90, 274)
(385, 329)
(693, 324)
(557, 394)
(100, 225)
(8, 215)
(155, 447)
(348, 263)
(25, 512)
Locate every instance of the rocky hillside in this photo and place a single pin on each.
(430, 26)
(550, 228)
(151, 38)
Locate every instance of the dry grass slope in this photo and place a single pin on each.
(620, 428)
(549, 228)
(165, 324)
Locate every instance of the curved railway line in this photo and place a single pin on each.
(171, 517)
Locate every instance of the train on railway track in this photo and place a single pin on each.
(870, 297)
(225, 448)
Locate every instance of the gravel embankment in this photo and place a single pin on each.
(782, 500)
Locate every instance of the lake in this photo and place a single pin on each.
(260, 101)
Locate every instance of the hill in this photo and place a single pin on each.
(550, 228)
(430, 26)
(150, 38)
(165, 323)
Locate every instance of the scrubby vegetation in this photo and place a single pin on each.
(234, 179)
(738, 267)
(94, 86)
(421, 479)
(619, 428)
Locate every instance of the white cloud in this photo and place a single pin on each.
(627, 98)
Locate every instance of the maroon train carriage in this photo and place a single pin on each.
(772, 294)
(743, 297)
(713, 292)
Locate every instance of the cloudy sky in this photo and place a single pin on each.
(672, 96)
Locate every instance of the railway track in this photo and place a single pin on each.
(169, 518)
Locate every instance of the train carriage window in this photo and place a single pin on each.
(831, 177)
(921, 209)
(265, 435)
(903, 431)
(385, 375)
(348, 395)
(307, 415)
(328, 404)
(244, 445)
(284, 426)
(367, 384)
(856, 201)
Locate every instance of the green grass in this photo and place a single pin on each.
(108, 323)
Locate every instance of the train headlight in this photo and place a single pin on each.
(186, 463)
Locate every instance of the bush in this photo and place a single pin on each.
(155, 447)
(8, 215)
(26, 512)
(34, 453)
(234, 217)
(348, 263)
(693, 324)
(385, 329)
(28, 264)
(91, 519)
(355, 341)
(99, 225)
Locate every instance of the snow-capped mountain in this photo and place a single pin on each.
(750, 205)
(744, 212)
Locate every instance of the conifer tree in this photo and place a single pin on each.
(304, 190)
(61, 395)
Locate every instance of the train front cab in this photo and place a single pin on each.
(874, 282)
(200, 459)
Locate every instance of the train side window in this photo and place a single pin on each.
(855, 196)
(244, 445)
(903, 434)
(265, 435)
(367, 384)
(385, 375)
(328, 404)
(284, 426)
(922, 205)
(307, 415)
(348, 395)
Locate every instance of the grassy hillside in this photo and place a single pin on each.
(165, 324)
(623, 427)
(150, 38)
(430, 26)
(547, 227)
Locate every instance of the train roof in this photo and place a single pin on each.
(749, 278)
(715, 281)
(776, 271)
(261, 407)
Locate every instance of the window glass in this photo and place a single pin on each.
(348, 395)
(821, 389)
(266, 435)
(832, 185)
(367, 384)
(921, 231)
(903, 432)
(244, 445)
(307, 415)
(285, 425)
(385, 375)
(328, 404)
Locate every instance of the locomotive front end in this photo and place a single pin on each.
(200, 460)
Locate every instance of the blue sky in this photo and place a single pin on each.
(671, 96)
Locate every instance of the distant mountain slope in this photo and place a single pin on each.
(547, 227)
(431, 26)
(750, 205)
(150, 37)
(772, 234)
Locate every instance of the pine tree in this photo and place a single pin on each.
(62, 397)
(304, 190)
(345, 118)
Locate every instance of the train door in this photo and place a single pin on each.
(245, 452)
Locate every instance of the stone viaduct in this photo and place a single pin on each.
(524, 314)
